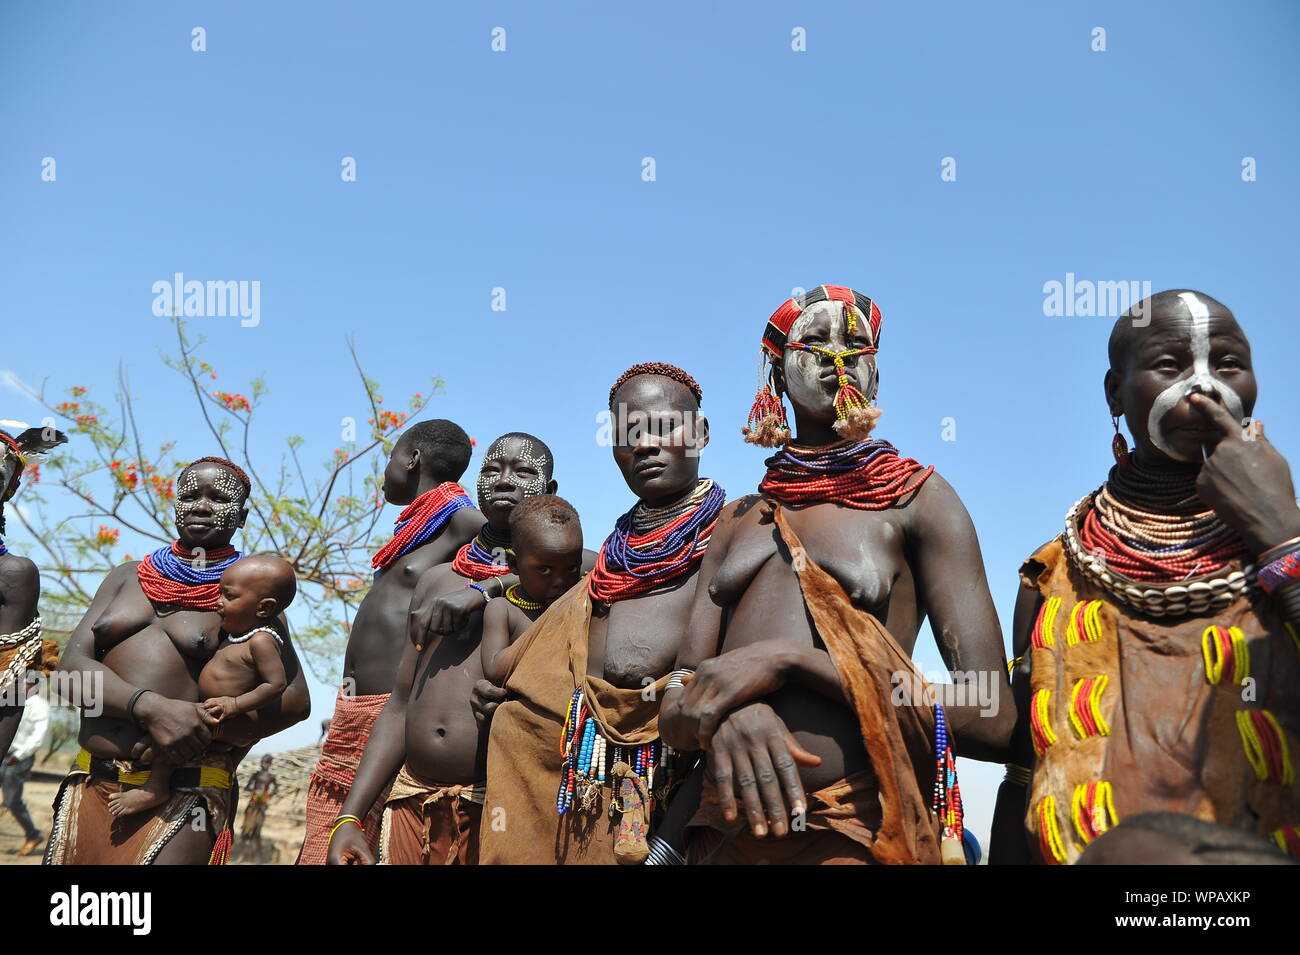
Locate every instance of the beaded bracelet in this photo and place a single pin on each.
(675, 679)
(1279, 571)
(1277, 550)
(340, 822)
(486, 596)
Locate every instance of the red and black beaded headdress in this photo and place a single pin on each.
(767, 424)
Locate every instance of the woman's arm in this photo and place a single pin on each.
(954, 590)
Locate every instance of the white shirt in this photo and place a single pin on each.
(31, 731)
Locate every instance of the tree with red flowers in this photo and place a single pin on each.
(118, 488)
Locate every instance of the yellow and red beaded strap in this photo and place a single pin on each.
(1266, 747)
(1226, 653)
(1043, 634)
(1288, 840)
(1049, 832)
(1085, 707)
(1093, 810)
(1040, 721)
(1085, 623)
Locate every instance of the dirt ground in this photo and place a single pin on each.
(281, 833)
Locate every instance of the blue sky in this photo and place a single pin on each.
(774, 169)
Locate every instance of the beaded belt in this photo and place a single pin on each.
(187, 777)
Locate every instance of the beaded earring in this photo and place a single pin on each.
(766, 425)
(1119, 444)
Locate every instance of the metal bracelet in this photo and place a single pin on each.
(661, 853)
(675, 679)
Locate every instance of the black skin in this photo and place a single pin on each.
(134, 645)
(20, 581)
(377, 637)
(20, 590)
(766, 702)
(442, 604)
(428, 722)
(1247, 482)
(548, 561)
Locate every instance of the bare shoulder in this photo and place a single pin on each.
(496, 613)
(18, 572)
(466, 522)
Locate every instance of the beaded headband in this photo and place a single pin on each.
(855, 417)
(778, 326)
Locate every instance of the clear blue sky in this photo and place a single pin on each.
(775, 169)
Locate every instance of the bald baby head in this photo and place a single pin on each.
(254, 591)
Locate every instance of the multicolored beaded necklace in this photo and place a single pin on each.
(516, 597)
(3, 549)
(947, 791)
(653, 546)
(169, 575)
(866, 475)
(483, 557)
(420, 521)
(588, 758)
(1151, 526)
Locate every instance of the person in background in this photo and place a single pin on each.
(20, 759)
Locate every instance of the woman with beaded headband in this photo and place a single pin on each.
(136, 656)
(796, 677)
(1157, 660)
(575, 761)
(20, 584)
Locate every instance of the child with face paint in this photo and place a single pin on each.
(1157, 661)
(245, 672)
(427, 742)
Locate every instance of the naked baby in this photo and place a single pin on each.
(246, 671)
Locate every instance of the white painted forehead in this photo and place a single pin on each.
(832, 310)
(1196, 306)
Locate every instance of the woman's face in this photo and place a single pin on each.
(210, 506)
(808, 378)
(1191, 345)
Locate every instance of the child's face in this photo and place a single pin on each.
(241, 602)
(548, 560)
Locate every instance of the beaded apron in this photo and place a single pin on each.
(1132, 712)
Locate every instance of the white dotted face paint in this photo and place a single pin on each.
(1200, 379)
(225, 514)
(526, 457)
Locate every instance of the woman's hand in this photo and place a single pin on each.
(440, 613)
(179, 729)
(348, 847)
(755, 757)
(484, 698)
(1247, 482)
(725, 682)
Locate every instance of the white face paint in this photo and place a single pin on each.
(803, 369)
(1200, 379)
(225, 514)
(526, 458)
